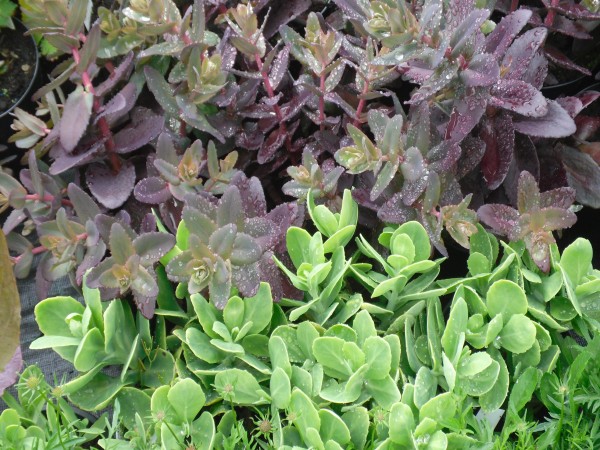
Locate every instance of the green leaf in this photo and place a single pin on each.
(441, 408)
(203, 432)
(401, 425)
(576, 260)
(132, 401)
(329, 352)
(333, 428)
(518, 335)
(478, 264)
(206, 314)
(357, 421)
(305, 414)
(523, 389)
(298, 243)
(456, 327)
(76, 17)
(97, 393)
(279, 355)
(239, 387)
(119, 330)
(364, 326)
(90, 351)
(161, 406)
(233, 313)
(259, 309)
(419, 237)
(187, 399)
(425, 386)
(506, 298)
(494, 398)
(200, 345)
(160, 370)
(378, 358)
(280, 386)
(385, 391)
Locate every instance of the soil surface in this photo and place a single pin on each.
(17, 66)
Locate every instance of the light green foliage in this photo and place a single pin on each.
(7, 9)
(97, 335)
(420, 364)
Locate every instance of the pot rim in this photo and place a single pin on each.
(33, 76)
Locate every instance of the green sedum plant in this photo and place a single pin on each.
(378, 354)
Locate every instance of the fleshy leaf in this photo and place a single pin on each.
(110, 189)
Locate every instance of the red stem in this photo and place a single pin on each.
(115, 162)
(322, 102)
(514, 4)
(276, 108)
(361, 104)
(549, 20)
(47, 198)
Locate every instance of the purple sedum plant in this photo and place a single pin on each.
(209, 111)
(536, 217)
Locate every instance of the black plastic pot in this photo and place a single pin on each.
(17, 71)
(22, 95)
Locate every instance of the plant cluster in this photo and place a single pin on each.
(379, 353)
(426, 108)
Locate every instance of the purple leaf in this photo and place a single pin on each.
(572, 10)
(583, 174)
(145, 127)
(444, 156)
(253, 196)
(556, 123)
(473, 150)
(120, 104)
(121, 72)
(468, 26)
(500, 39)
(83, 204)
(524, 159)
(570, 28)
(279, 67)
(273, 143)
(110, 189)
(285, 12)
(75, 118)
(10, 374)
(519, 97)
(556, 218)
(501, 218)
(64, 162)
(395, 211)
(559, 198)
(146, 305)
(152, 190)
(457, 11)
(246, 279)
(465, 115)
(571, 104)
(91, 259)
(483, 70)
(521, 52)
(499, 137)
(528, 195)
(351, 9)
(537, 71)
(280, 284)
(152, 246)
(560, 59)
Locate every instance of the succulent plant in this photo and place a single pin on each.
(228, 242)
(538, 214)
